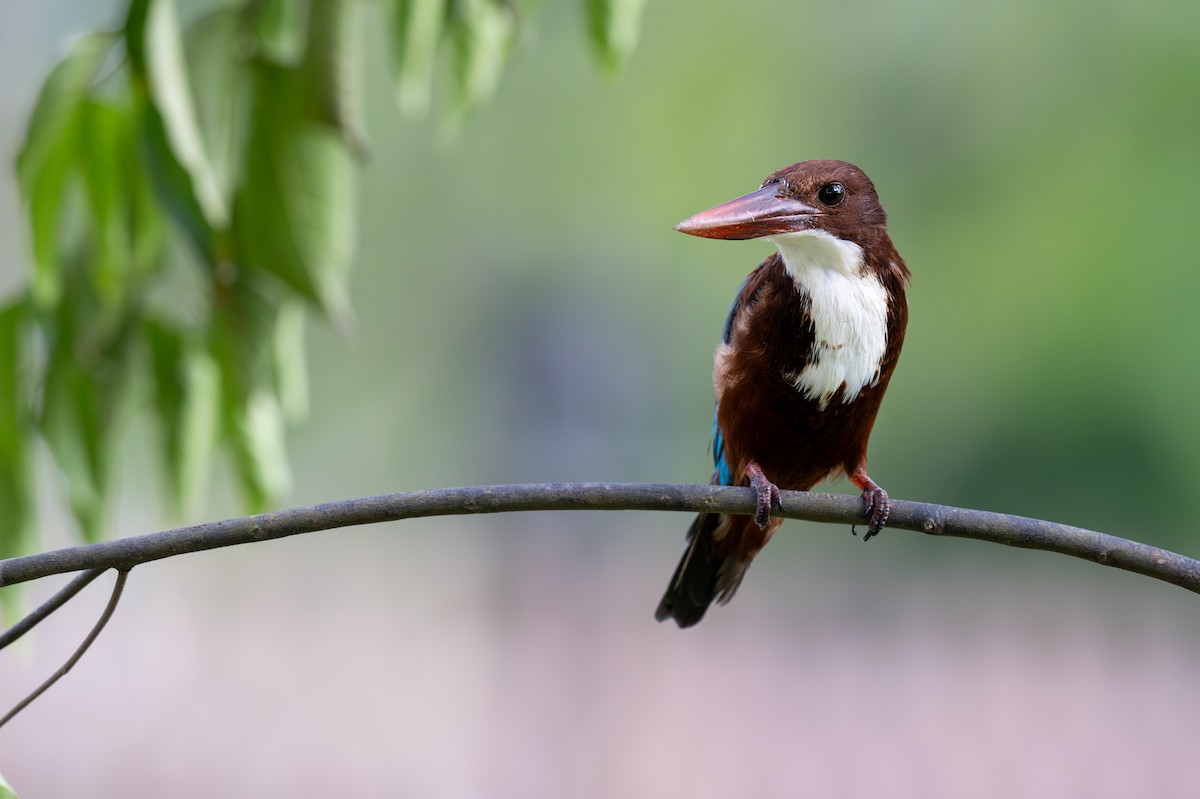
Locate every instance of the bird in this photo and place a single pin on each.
(810, 343)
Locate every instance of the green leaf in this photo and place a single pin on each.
(16, 425)
(333, 66)
(105, 128)
(50, 154)
(6, 790)
(73, 428)
(243, 343)
(85, 387)
(416, 34)
(241, 333)
(256, 429)
(483, 32)
(291, 361)
(222, 84)
(127, 230)
(172, 184)
(294, 215)
(280, 26)
(613, 25)
(156, 50)
(135, 33)
(188, 400)
(147, 233)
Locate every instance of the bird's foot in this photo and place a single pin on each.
(767, 496)
(876, 506)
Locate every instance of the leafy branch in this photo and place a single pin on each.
(190, 192)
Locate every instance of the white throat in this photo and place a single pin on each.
(849, 314)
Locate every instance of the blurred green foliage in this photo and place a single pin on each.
(191, 194)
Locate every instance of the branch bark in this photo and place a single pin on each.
(939, 520)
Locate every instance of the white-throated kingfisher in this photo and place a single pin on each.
(810, 343)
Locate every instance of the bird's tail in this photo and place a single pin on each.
(706, 572)
(693, 587)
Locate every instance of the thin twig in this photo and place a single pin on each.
(49, 606)
(937, 520)
(118, 587)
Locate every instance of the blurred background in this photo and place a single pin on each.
(526, 313)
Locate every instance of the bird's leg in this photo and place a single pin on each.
(876, 505)
(767, 494)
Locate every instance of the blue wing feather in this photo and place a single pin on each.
(722, 474)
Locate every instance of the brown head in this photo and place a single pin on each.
(831, 196)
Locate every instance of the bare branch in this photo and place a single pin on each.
(938, 520)
(118, 587)
(49, 606)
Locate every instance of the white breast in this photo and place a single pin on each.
(849, 313)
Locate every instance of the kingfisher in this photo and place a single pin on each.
(808, 348)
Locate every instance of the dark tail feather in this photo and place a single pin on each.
(693, 587)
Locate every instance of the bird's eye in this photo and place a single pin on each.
(832, 193)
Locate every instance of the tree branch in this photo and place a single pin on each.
(937, 520)
(113, 599)
(49, 606)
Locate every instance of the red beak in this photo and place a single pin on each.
(761, 213)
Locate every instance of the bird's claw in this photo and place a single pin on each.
(767, 497)
(876, 508)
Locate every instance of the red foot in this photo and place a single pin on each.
(768, 496)
(876, 505)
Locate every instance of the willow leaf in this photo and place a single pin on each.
(187, 395)
(50, 154)
(333, 64)
(416, 33)
(484, 32)
(218, 64)
(157, 52)
(294, 213)
(613, 26)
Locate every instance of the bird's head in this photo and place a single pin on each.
(832, 197)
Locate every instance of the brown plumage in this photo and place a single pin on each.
(809, 347)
